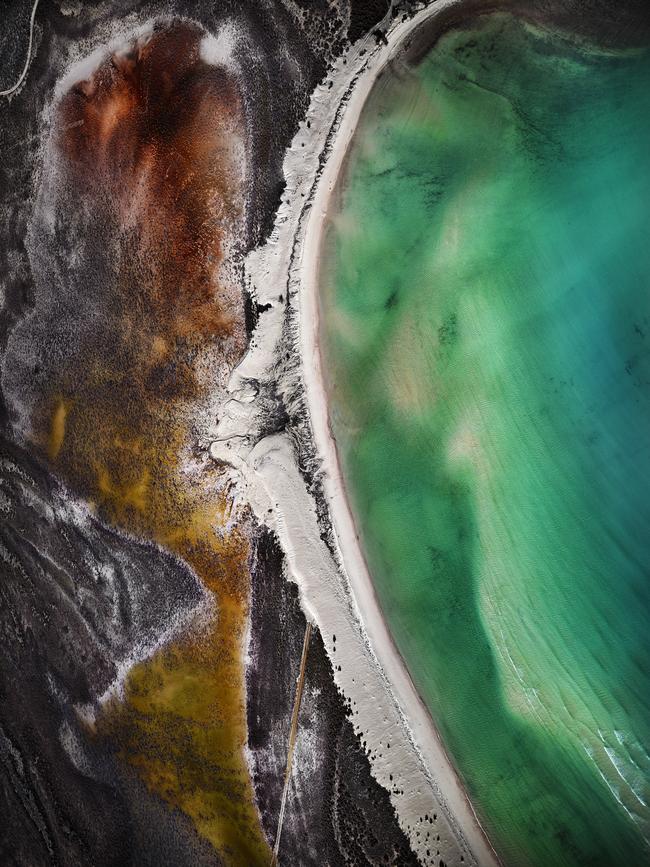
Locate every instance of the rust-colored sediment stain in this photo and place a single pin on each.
(155, 143)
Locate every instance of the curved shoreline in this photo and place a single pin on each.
(419, 719)
(292, 481)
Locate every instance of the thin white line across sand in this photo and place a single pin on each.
(28, 57)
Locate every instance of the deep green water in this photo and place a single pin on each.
(486, 322)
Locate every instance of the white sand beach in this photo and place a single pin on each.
(405, 751)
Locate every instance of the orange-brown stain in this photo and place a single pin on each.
(158, 150)
(57, 429)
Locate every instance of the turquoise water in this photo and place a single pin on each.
(486, 323)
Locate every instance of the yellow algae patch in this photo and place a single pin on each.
(123, 496)
(57, 429)
(183, 722)
(202, 521)
(182, 725)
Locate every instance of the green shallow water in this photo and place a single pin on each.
(486, 321)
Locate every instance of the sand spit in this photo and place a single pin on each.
(293, 481)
